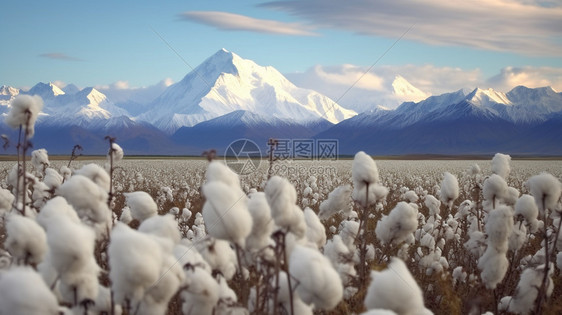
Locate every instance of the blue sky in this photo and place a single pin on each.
(451, 44)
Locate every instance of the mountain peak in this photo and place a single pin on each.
(8, 90)
(45, 90)
(480, 97)
(225, 83)
(405, 90)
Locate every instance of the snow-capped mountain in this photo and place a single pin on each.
(227, 98)
(475, 122)
(87, 108)
(7, 94)
(225, 83)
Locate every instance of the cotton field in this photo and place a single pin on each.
(191, 236)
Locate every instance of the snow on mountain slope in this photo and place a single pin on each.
(225, 83)
(7, 94)
(47, 91)
(405, 90)
(88, 108)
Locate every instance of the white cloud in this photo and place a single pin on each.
(60, 84)
(121, 91)
(237, 22)
(376, 86)
(532, 77)
(499, 25)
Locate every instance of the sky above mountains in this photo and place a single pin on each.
(437, 46)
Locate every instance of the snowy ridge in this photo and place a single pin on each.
(225, 83)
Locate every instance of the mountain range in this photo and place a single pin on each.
(228, 98)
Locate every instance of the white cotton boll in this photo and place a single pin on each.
(499, 226)
(40, 194)
(364, 170)
(71, 245)
(432, 204)
(464, 209)
(219, 255)
(24, 112)
(476, 243)
(226, 213)
(511, 196)
(527, 208)
(262, 222)
(495, 189)
(201, 294)
(517, 237)
(493, 266)
(158, 295)
(187, 256)
(96, 174)
(281, 197)
(315, 230)
(52, 179)
(163, 226)
(319, 283)
(449, 189)
(218, 171)
(338, 200)
(6, 201)
(401, 222)
(22, 291)
(500, 165)
(459, 275)
(546, 189)
(474, 169)
(341, 257)
(377, 193)
(394, 289)
(185, 214)
(141, 204)
(174, 211)
(26, 240)
(348, 232)
(227, 296)
(80, 285)
(126, 216)
(54, 210)
(65, 172)
(87, 198)
(523, 301)
(135, 260)
(116, 153)
(411, 196)
(40, 160)
(428, 241)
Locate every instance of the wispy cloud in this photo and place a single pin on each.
(523, 27)
(236, 22)
(59, 56)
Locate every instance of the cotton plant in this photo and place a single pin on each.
(494, 262)
(143, 273)
(23, 292)
(26, 240)
(396, 290)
